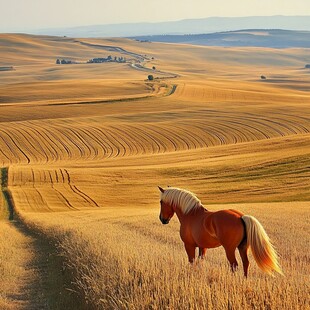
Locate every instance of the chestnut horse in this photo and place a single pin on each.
(205, 229)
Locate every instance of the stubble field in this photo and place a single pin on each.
(84, 146)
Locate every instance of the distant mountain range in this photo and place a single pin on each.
(187, 26)
(253, 37)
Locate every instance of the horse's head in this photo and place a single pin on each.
(166, 210)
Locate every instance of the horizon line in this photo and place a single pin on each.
(144, 22)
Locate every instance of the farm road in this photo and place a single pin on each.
(46, 283)
(138, 64)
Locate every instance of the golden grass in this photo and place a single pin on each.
(14, 257)
(101, 137)
(87, 145)
(81, 90)
(256, 171)
(126, 259)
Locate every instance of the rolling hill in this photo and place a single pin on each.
(252, 37)
(84, 146)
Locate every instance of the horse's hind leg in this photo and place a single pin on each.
(202, 253)
(243, 250)
(230, 254)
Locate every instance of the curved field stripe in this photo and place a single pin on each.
(97, 133)
(141, 143)
(11, 143)
(47, 145)
(31, 146)
(48, 190)
(81, 194)
(90, 139)
(125, 140)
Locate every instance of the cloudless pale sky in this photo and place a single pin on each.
(19, 15)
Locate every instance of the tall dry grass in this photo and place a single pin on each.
(125, 259)
(14, 256)
(230, 138)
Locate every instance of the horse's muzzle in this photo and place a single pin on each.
(164, 221)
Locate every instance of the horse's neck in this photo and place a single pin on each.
(195, 211)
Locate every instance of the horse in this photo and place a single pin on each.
(228, 228)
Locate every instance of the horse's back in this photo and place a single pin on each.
(228, 227)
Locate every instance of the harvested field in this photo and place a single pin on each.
(83, 148)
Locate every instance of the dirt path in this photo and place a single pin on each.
(139, 59)
(43, 282)
(111, 48)
(48, 284)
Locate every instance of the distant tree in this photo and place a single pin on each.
(154, 68)
(58, 61)
(307, 66)
(109, 58)
(263, 77)
(150, 77)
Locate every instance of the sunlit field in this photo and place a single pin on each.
(125, 259)
(84, 146)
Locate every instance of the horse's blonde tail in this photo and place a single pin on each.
(264, 254)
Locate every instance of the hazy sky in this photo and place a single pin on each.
(19, 15)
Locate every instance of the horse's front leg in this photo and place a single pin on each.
(190, 250)
(202, 253)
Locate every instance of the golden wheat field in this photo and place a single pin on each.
(84, 146)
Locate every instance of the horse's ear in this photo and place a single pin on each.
(161, 189)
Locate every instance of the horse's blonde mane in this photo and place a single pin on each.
(181, 198)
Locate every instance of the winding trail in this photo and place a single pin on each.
(45, 284)
(139, 60)
(112, 48)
